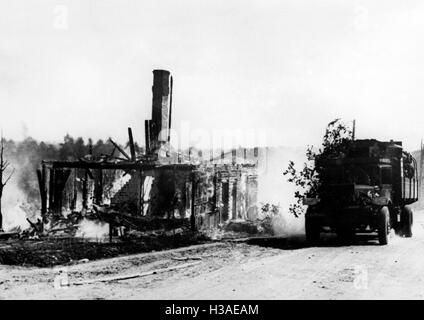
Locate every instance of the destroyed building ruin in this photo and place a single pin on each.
(160, 182)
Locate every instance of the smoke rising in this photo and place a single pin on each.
(21, 196)
(92, 229)
(275, 189)
(13, 204)
(16, 207)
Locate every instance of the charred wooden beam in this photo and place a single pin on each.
(214, 197)
(225, 199)
(147, 135)
(193, 200)
(234, 199)
(90, 174)
(98, 187)
(120, 149)
(60, 178)
(111, 154)
(34, 226)
(41, 175)
(51, 188)
(85, 190)
(234, 156)
(75, 192)
(170, 110)
(131, 142)
(110, 232)
(152, 136)
(120, 165)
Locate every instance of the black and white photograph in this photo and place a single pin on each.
(205, 150)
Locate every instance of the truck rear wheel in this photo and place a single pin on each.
(406, 220)
(312, 230)
(383, 225)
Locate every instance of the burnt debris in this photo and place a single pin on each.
(157, 188)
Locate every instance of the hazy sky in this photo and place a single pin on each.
(290, 66)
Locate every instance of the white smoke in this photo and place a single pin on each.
(92, 229)
(275, 189)
(13, 202)
(14, 216)
(285, 224)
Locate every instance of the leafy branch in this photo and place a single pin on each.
(309, 179)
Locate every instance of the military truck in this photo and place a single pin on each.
(366, 189)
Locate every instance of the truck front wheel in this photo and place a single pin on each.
(383, 225)
(312, 230)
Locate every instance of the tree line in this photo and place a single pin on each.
(26, 156)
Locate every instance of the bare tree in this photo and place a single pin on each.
(4, 164)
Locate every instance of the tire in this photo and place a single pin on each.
(396, 226)
(406, 218)
(312, 230)
(383, 225)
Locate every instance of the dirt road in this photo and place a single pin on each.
(261, 269)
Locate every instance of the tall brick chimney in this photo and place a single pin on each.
(161, 109)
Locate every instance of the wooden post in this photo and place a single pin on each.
(131, 141)
(421, 190)
(225, 194)
(98, 191)
(233, 156)
(214, 198)
(219, 196)
(110, 231)
(247, 195)
(57, 185)
(58, 194)
(170, 111)
(147, 136)
(41, 175)
(51, 189)
(193, 200)
(75, 192)
(140, 202)
(234, 199)
(143, 180)
(85, 190)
